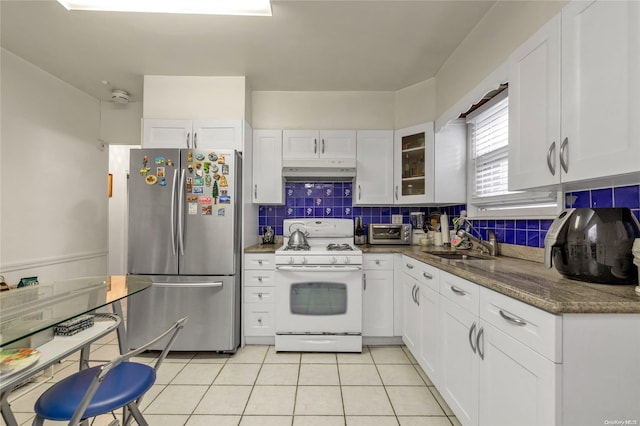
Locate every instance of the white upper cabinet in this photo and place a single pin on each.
(534, 110)
(268, 185)
(311, 144)
(574, 97)
(374, 165)
(193, 134)
(600, 89)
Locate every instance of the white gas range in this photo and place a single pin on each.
(319, 288)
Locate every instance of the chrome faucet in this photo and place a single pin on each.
(490, 246)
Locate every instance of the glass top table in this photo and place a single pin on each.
(27, 311)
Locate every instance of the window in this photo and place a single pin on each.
(489, 195)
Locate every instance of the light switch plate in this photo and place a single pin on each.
(396, 218)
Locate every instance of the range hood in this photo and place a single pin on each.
(325, 169)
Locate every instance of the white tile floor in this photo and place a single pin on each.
(257, 386)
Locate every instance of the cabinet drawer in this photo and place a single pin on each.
(378, 262)
(425, 274)
(259, 294)
(259, 319)
(537, 329)
(259, 278)
(259, 261)
(460, 291)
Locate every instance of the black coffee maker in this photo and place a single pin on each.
(593, 245)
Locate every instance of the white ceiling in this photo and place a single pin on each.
(306, 45)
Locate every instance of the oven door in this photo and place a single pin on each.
(319, 300)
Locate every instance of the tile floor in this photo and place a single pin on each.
(257, 386)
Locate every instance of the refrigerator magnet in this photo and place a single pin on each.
(198, 181)
(163, 182)
(189, 187)
(199, 156)
(190, 167)
(204, 200)
(212, 156)
(199, 173)
(207, 180)
(214, 168)
(221, 159)
(159, 160)
(216, 176)
(189, 156)
(198, 190)
(145, 160)
(198, 165)
(225, 169)
(189, 180)
(225, 199)
(144, 171)
(170, 163)
(223, 181)
(192, 198)
(221, 211)
(193, 208)
(206, 165)
(160, 171)
(151, 179)
(207, 210)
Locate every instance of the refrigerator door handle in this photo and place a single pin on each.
(173, 212)
(181, 214)
(190, 285)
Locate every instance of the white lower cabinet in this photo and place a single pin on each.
(259, 297)
(377, 296)
(410, 313)
(428, 357)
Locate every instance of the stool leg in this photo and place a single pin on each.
(135, 412)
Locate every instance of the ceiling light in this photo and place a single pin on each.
(200, 7)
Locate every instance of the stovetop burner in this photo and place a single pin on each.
(304, 247)
(339, 247)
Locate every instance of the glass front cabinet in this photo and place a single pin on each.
(414, 165)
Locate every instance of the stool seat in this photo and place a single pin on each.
(125, 383)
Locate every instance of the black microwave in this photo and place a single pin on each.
(389, 233)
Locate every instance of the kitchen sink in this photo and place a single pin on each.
(460, 256)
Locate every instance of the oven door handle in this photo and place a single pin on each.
(307, 268)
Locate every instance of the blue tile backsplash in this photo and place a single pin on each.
(334, 199)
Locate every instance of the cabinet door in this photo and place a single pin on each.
(374, 164)
(450, 168)
(430, 323)
(167, 134)
(217, 134)
(337, 144)
(459, 363)
(534, 110)
(600, 89)
(268, 186)
(297, 144)
(517, 385)
(377, 303)
(413, 165)
(410, 314)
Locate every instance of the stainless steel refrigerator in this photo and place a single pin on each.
(184, 214)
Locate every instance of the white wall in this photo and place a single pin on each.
(185, 97)
(121, 124)
(323, 110)
(53, 177)
(505, 26)
(415, 104)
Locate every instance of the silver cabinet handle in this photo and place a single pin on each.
(513, 320)
(260, 321)
(359, 192)
(564, 159)
(377, 262)
(471, 339)
(413, 293)
(259, 295)
(550, 155)
(478, 346)
(418, 295)
(260, 279)
(410, 266)
(315, 146)
(458, 291)
(396, 192)
(260, 262)
(427, 276)
(322, 146)
(255, 191)
(195, 140)
(364, 281)
(188, 139)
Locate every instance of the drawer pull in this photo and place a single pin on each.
(471, 339)
(259, 295)
(410, 266)
(458, 291)
(260, 262)
(260, 279)
(513, 320)
(427, 276)
(377, 262)
(260, 321)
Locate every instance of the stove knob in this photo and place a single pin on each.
(346, 259)
(334, 260)
(290, 260)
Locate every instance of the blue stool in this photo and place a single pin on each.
(105, 388)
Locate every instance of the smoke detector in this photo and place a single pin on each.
(119, 96)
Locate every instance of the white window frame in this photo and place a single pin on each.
(522, 204)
